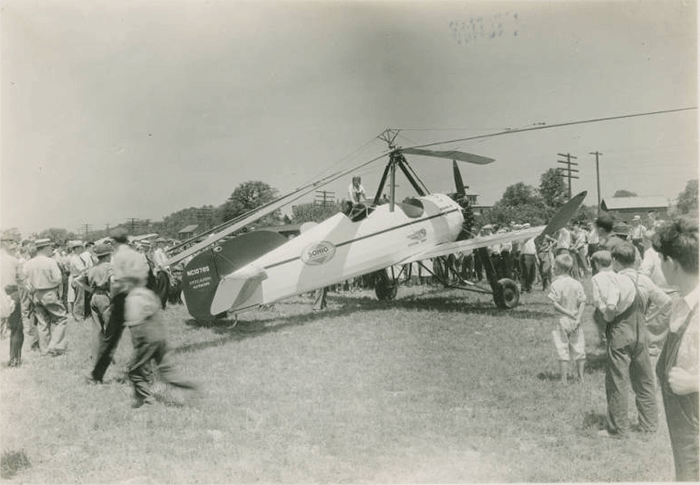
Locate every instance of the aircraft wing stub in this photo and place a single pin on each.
(450, 155)
(475, 243)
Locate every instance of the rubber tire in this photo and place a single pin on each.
(385, 289)
(506, 295)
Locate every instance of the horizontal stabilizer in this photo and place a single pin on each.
(236, 289)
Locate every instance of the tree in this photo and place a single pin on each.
(624, 193)
(688, 199)
(553, 191)
(247, 197)
(57, 235)
(311, 212)
(520, 194)
(13, 233)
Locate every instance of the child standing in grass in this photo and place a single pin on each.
(144, 318)
(569, 299)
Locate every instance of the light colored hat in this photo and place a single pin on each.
(131, 265)
(76, 244)
(636, 218)
(102, 249)
(488, 226)
(42, 243)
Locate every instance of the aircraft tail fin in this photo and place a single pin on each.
(201, 276)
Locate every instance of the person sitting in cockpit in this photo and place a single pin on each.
(356, 191)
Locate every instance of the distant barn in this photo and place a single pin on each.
(187, 232)
(625, 208)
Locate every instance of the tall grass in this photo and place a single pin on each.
(435, 387)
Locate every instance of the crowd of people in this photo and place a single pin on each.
(117, 284)
(644, 292)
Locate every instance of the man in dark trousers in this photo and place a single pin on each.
(115, 325)
(677, 369)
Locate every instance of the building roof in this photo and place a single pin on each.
(189, 228)
(650, 202)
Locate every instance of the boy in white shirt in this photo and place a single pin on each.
(569, 299)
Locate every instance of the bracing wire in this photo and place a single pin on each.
(557, 125)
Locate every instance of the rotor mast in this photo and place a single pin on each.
(396, 159)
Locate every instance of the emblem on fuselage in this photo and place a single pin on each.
(318, 253)
(417, 237)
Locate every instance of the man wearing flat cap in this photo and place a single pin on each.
(97, 283)
(10, 277)
(43, 278)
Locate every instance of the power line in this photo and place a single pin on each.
(559, 125)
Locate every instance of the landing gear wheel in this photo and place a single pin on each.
(506, 294)
(385, 289)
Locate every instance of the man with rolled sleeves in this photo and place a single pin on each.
(43, 279)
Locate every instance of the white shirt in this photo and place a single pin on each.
(354, 193)
(688, 350)
(564, 238)
(605, 289)
(651, 266)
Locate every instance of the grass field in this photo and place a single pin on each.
(435, 387)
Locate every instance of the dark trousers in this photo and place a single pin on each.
(148, 340)
(109, 340)
(628, 363)
(528, 268)
(162, 286)
(14, 323)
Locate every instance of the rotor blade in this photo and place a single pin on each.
(459, 185)
(450, 154)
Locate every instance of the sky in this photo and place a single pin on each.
(118, 110)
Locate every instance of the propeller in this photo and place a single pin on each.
(459, 185)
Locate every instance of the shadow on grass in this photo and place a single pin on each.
(232, 331)
(594, 421)
(594, 363)
(13, 462)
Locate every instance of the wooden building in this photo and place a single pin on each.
(625, 208)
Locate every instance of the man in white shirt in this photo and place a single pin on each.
(677, 244)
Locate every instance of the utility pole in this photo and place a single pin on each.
(566, 172)
(597, 177)
(87, 228)
(133, 225)
(324, 196)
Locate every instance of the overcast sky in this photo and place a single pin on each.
(113, 110)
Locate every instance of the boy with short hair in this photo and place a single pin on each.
(606, 292)
(144, 317)
(569, 299)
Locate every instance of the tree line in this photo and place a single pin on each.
(520, 203)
